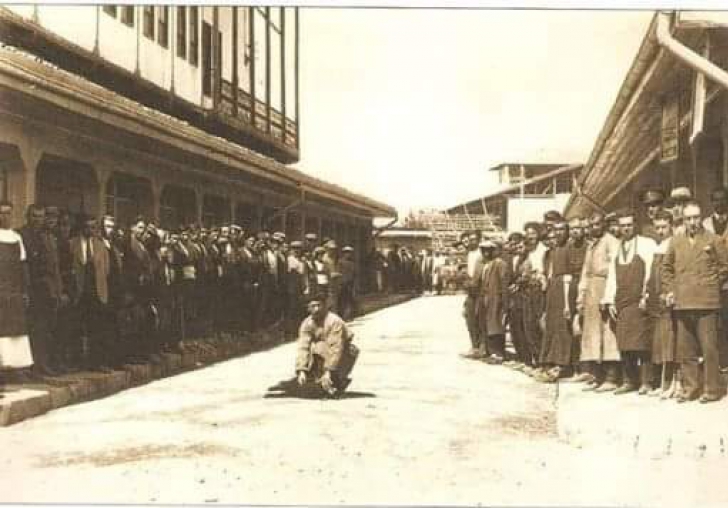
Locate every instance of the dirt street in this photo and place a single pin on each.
(420, 425)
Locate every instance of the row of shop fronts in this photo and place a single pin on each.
(668, 127)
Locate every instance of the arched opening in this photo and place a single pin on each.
(178, 207)
(247, 216)
(127, 197)
(215, 211)
(67, 184)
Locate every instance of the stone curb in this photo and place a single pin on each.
(33, 400)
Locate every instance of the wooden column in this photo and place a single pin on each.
(251, 70)
(214, 58)
(297, 66)
(283, 73)
(267, 70)
(235, 61)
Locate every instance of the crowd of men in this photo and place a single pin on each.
(100, 296)
(617, 303)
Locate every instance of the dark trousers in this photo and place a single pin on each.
(69, 347)
(471, 321)
(604, 372)
(723, 336)
(98, 325)
(42, 316)
(697, 335)
(636, 368)
(518, 335)
(497, 345)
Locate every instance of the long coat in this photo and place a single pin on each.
(101, 267)
(598, 341)
(492, 297)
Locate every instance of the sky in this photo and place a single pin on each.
(412, 106)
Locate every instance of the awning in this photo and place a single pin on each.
(629, 141)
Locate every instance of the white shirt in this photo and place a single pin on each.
(642, 246)
(474, 257)
(10, 236)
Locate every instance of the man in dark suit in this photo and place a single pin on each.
(91, 268)
(44, 289)
(694, 270)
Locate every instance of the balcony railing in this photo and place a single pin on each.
(245, 114)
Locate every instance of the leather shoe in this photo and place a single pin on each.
(625, 388)
(704, 399)
(607, 386)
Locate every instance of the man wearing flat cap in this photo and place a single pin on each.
(653, 201)
(679, 197)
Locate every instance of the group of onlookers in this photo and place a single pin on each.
(88, 294)
(617, 303)
(426, 271)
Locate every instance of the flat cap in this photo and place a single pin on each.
(311, 236)
(487, 244)
(296, 244)
(331, 244)
(348, 248)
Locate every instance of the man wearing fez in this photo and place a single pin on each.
(599, 351)
(653, 201)
(694, 270)
(626, 297)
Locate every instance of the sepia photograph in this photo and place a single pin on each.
(364, 254)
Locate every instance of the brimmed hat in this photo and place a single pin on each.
(348, 248)
(681, 194)
(653, 197)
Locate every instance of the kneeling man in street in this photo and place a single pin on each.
(326, 355)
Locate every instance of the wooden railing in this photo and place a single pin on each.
(245, 114)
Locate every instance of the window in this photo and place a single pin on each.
(163, 26)
(194, 32)
(206, 60)
(110, 10)
(127, 15)
(207, 57)
(182, 32)
(149, 21)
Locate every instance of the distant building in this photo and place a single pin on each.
(528, 200)
(414, 240)
(513, 173)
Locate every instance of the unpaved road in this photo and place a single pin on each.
(420, 426)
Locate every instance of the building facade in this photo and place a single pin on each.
(668, 127)
(183, 114)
